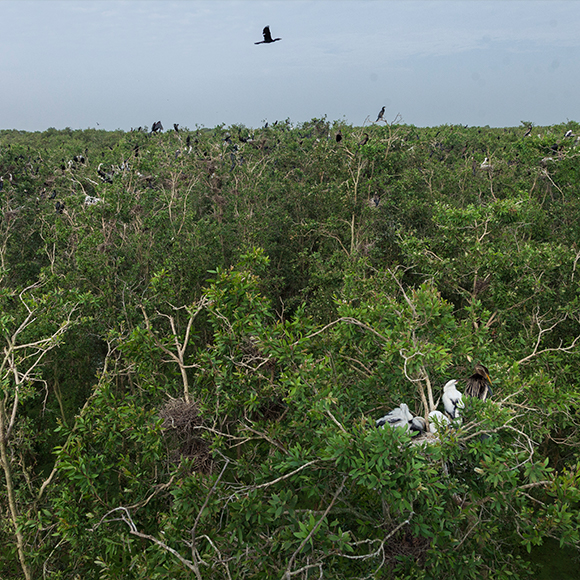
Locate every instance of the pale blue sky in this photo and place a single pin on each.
(122, 64)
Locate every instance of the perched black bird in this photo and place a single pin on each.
(479, 383)
(381, 113)
(157, 127)
(267, 37)
(339, 137)
(176, 127)
(365, 140)
(528, 132)
(59, 207)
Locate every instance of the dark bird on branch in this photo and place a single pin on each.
(157, 127)
(479, 383)
(176, 127)
(267, 37)
(365, 140)
(528, 132)
(381, 113)
(338, 137)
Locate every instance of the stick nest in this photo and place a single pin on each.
(181, 425)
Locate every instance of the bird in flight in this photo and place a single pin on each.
(267, 37)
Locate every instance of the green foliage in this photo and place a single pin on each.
(225, 312)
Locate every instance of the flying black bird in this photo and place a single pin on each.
(381, 113)
(478, 384)
(267, 37)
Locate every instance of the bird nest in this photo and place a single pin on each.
(181, 426)
(426, 439)
(408, 546)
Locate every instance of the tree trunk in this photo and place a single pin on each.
(10, 492)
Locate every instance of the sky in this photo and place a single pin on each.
(118, 64)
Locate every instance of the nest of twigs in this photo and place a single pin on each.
(272, 409)
(181, 424)
(407, 545)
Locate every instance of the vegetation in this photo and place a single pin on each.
(199, 329)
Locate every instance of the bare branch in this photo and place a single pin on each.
(347, 319)
(126, 517)
(288, 572)
(269, 483)
(193, 530)
(541, 332)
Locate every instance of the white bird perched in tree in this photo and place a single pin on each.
(418, 424)
(402, 417)
(452, 399)
(398, 417)
(486, 164)
(437, 420)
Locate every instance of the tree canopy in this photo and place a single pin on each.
(200, 328)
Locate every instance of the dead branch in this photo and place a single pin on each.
(288, 572)
(543, 331)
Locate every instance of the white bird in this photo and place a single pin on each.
(89, 200)
(452, 399)
(418, 424)
(437, 420)
(398, 417)
(569, 133)
(485, 164)
(402, 417)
